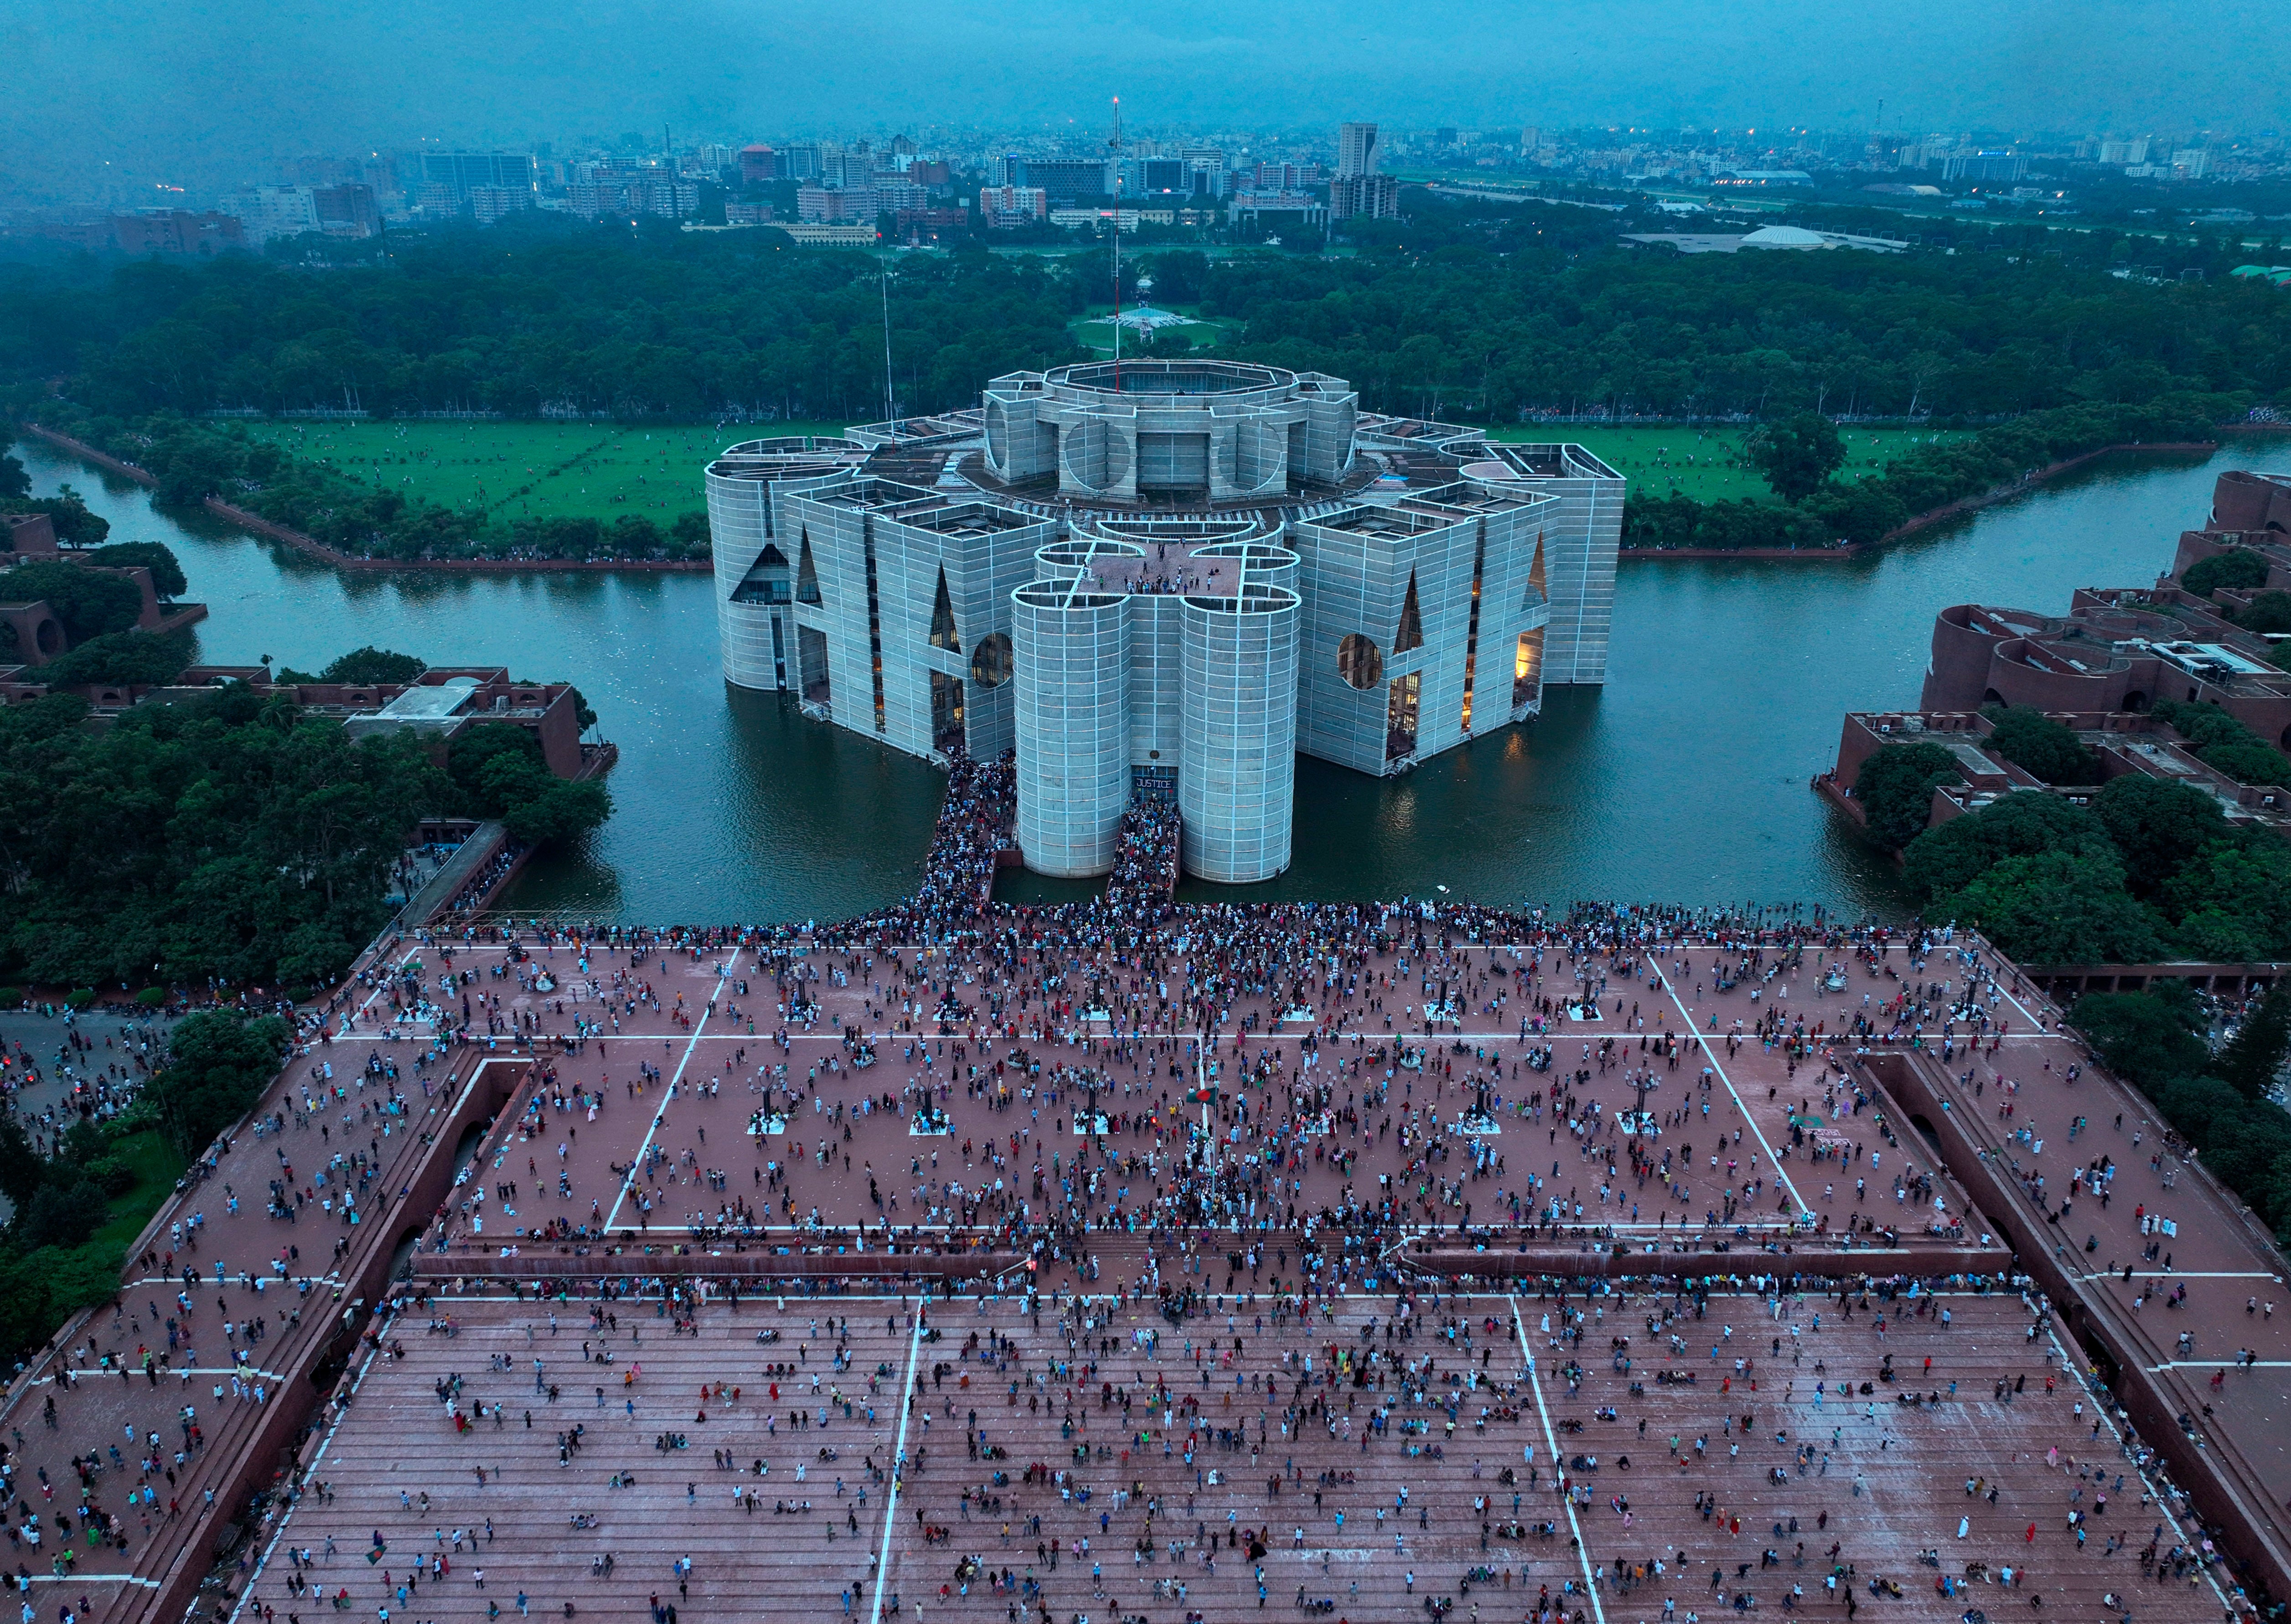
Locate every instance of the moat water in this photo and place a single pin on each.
(1685, 779)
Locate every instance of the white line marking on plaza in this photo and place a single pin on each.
(898, 1460)
(2069, 1361)
(1796, 1202)
(628, 1183)
(1551, 1443)
(309, 1475)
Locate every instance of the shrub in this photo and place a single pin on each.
(2270, 611)
(88, 604)
(152, 998)
(1944, 861)
(80, 997)
(1895, 788)
(2028, 738)
(2239, 567)
(217, 1066)
(12, 998)
(372, 665)
(65, 1215)
(156, 556)
(121, 657)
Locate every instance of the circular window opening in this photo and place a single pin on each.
(1359, 661)
(50, 637)
(990, 661)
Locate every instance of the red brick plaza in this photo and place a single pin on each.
(986, 1288)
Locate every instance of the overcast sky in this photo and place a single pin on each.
(205, 90)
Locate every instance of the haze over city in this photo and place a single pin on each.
(185, 95)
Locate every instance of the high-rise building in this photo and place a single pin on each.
(2133, 151)
(1070, 179)
(268, 212)
(757, 166)
(456, 172)
(1356, 150)
(1358, 191)
(489, 203)
(841, 205)
(347, 210)
(1002, 208)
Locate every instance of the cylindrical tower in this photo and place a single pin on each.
(1237, 769)
(755, 576)
(739, 530)
(1070, 653)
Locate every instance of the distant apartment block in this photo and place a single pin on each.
(448, 178)
(838, 205)
(268, 212)
(1358, 191)
(489, 203)
(621, 186)
(1002, 208)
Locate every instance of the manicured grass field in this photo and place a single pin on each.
(521, 471)
(1093, 330)
(577, 470)
(1706, 463)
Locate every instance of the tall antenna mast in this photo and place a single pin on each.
(1113, 146)
(890, 405)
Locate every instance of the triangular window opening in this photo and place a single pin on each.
(1536, 592)
(942, 631)
(1411, 635)
(806, 573)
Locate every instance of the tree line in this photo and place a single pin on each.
(229, 838)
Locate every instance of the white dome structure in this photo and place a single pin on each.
(1785, 237)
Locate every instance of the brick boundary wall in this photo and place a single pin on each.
(267, 1455)
(2220, 1492)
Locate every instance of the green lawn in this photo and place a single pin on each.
(576, 470)
(1093, 330)
(156, 1169)
(518, 470)
(1706, 463)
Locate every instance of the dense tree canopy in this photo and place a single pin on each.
(2028, 739)
(2151, 870)
(224, 837)
(1895, 788)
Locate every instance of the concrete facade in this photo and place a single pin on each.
(755, 576)
(901, 610)
(1169, 588)
(1210, 430)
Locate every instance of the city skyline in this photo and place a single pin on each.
(136, 95)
